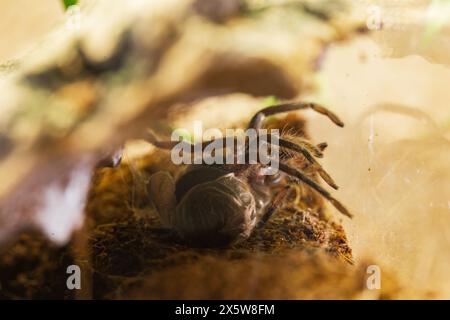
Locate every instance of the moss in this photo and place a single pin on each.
(32, 268)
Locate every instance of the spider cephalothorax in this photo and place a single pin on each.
(216, 205)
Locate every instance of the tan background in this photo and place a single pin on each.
(22, 22)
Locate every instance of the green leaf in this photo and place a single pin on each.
(438, 14)
(185, 135)
(270, 101)
(68, 3)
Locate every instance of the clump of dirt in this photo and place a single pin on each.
(31, 268)
(297, 274)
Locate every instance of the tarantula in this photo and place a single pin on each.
(217, 205)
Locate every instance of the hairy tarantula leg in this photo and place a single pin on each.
(161, 189)
(304, 145)
(283, 143)
(322, 146)
(298, 148)
(168, 145)
(325, 176)
(314, 150)
(273, 206)
(297, 174)
(257, 120)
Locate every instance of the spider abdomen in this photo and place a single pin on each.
(216, 213)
